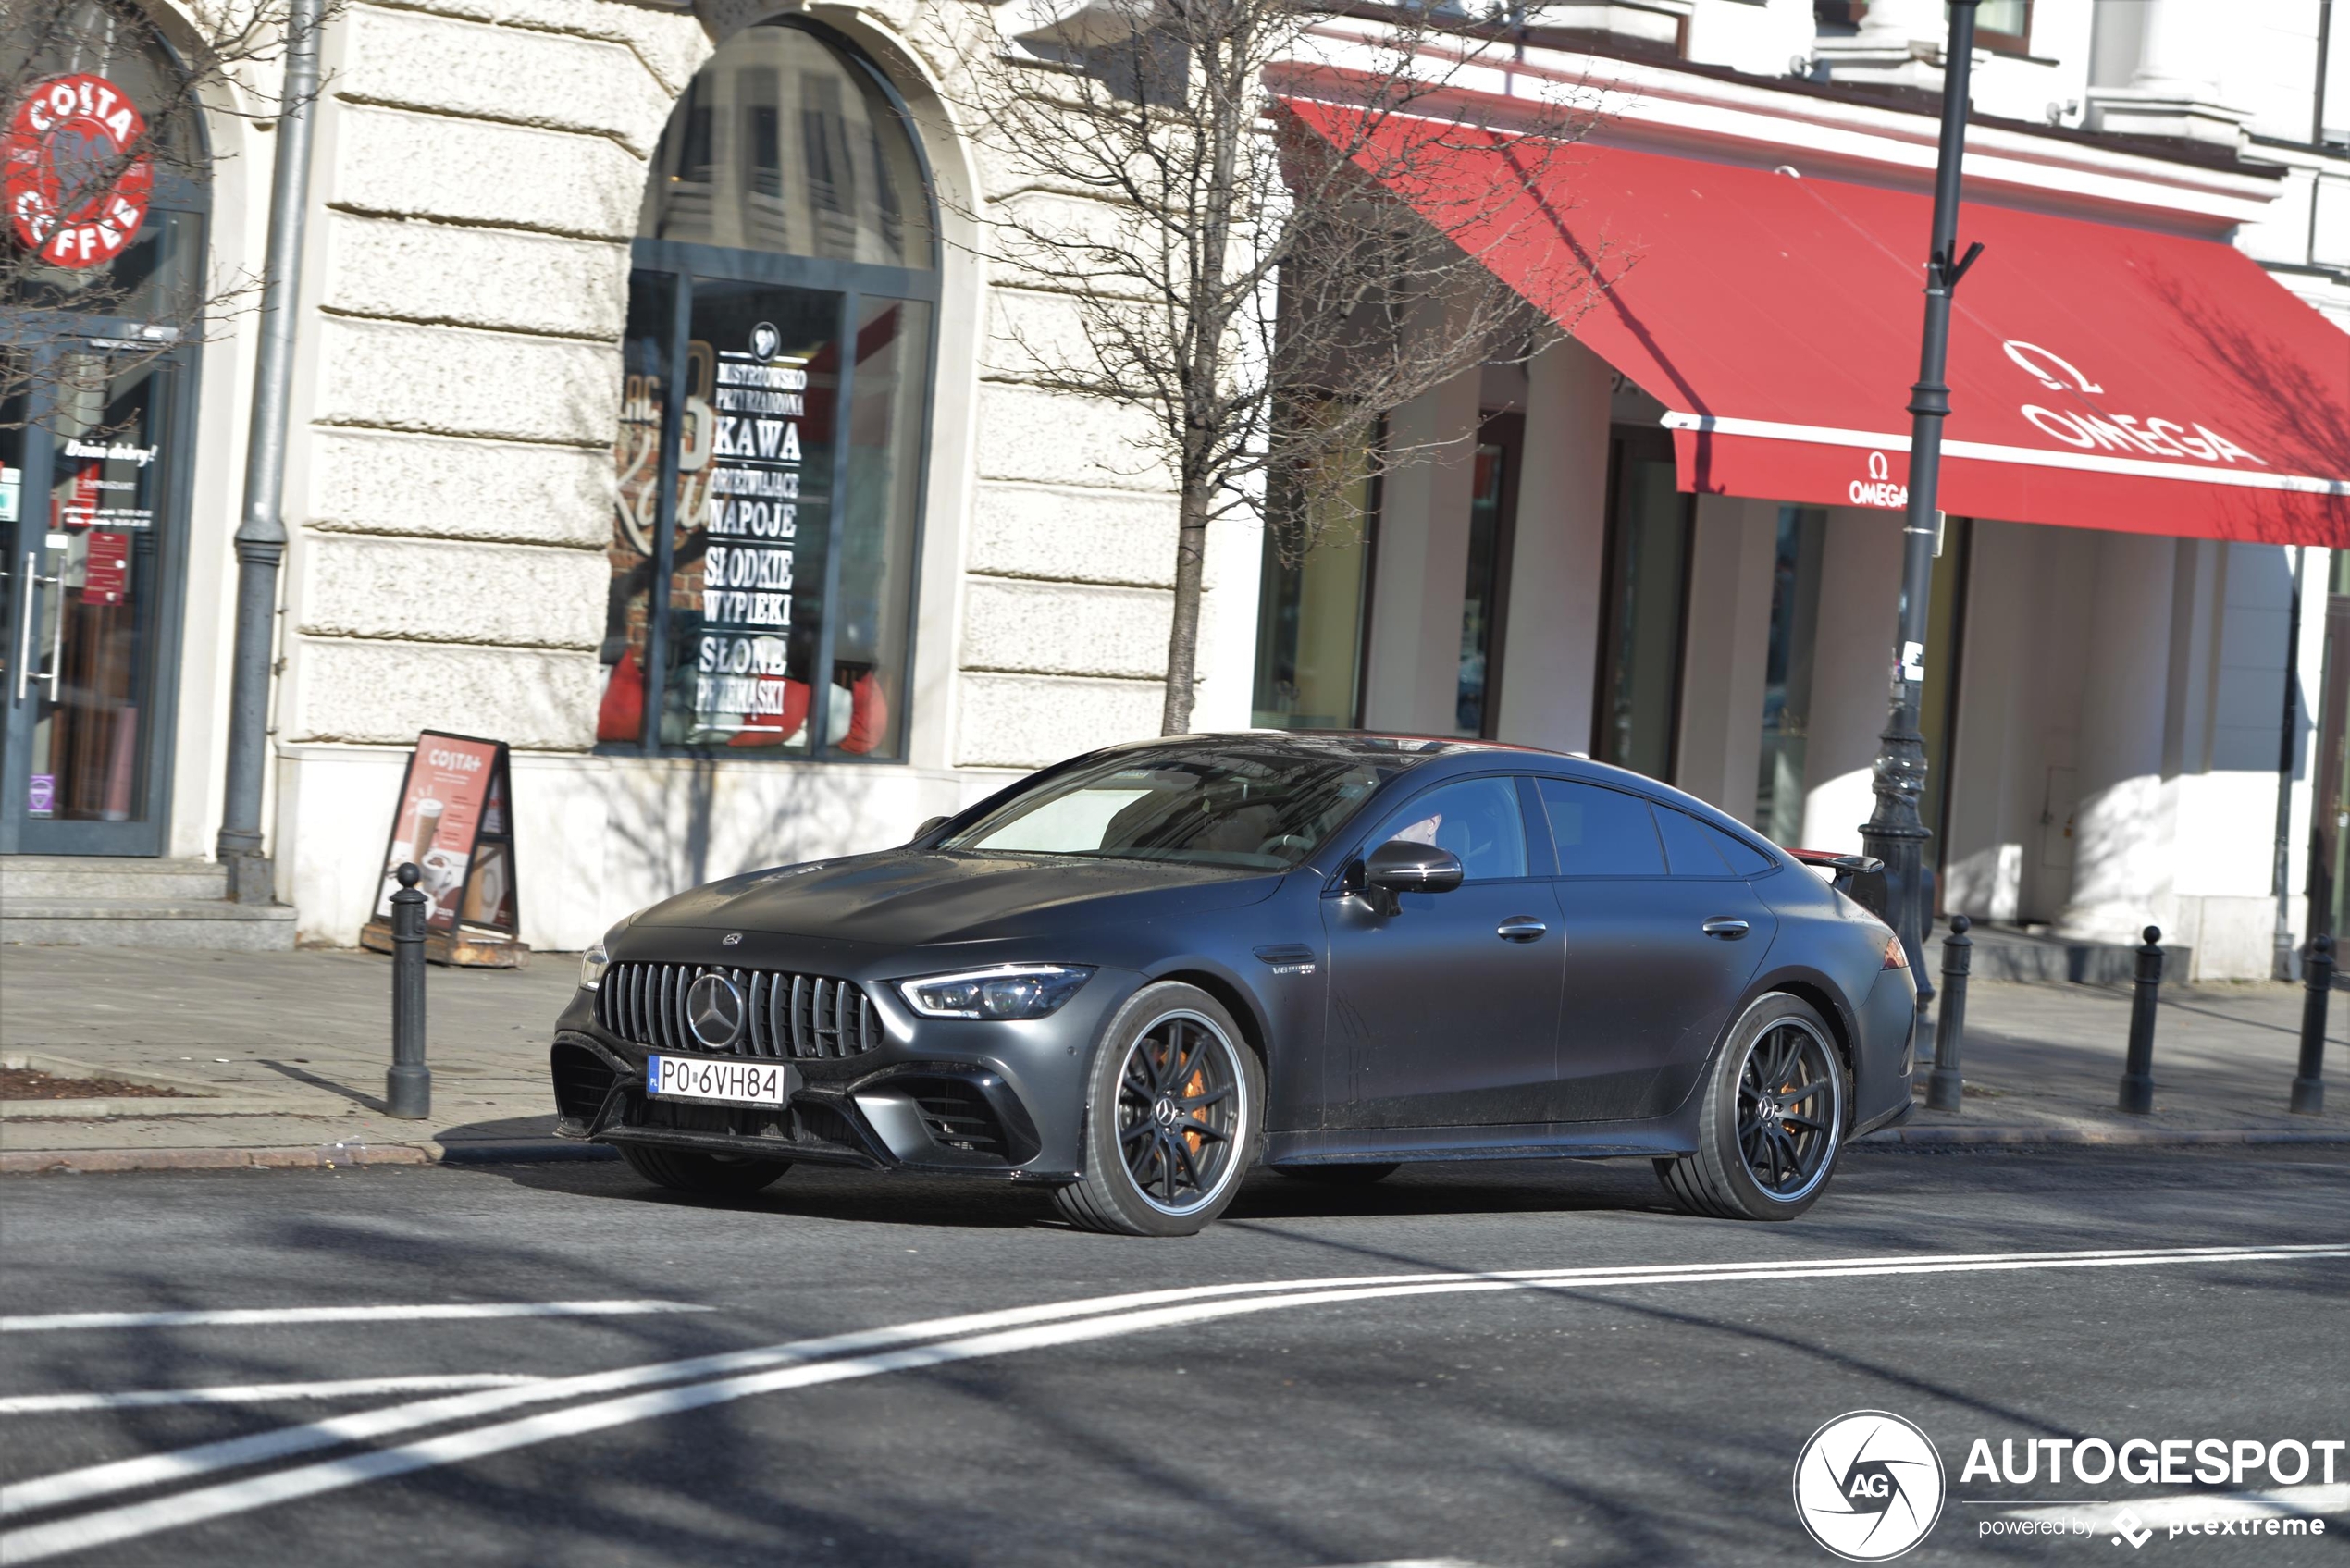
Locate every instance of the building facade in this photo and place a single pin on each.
(656, 413)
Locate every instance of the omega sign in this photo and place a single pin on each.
(1878, 488)
(75, 171)
(2098, 430)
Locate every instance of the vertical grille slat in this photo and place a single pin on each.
(746, 1041)
(788, 1015)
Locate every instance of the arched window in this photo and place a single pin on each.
(102, 306)
(776, 396)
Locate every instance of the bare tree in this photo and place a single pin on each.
(1216, 190)
(90, 160)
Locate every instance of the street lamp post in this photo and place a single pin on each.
(1894, 833)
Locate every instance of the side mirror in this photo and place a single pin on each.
(1400, 866)
(929, 827)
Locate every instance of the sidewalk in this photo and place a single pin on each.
(278, 1059)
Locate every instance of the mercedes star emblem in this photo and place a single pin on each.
(714, 1011)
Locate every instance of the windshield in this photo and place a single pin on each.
(1253, 810)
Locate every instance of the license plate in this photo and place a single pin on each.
(727, 1081)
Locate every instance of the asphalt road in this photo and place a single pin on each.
(1650, 1413)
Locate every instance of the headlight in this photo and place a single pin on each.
(592, 965)
(1008, 991)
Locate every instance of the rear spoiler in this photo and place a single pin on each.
(1860, 878)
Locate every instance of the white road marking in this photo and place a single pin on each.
(105, 1526)
(77, 1486)
(244, 1316)
(260, 1394)
(2316, 1499)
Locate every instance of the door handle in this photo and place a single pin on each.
(24, 623)
(1520, 927)
(1725, 927)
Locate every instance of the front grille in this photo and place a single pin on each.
(802, 1015)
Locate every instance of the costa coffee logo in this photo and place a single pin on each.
(2097, 429)
(74, 171)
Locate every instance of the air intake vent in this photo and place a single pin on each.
(581, 1081)
(800, 1016)
(959, 1116)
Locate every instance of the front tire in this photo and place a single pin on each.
(1172, 1108)
(709, 1176)
(1771, 1121)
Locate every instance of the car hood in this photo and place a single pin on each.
(905, 898)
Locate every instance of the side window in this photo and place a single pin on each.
(1744, 858)
(1689, 847)
(1600, 833)
(1476, 819)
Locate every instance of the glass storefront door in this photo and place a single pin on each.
(89, 523)
(1636, 720)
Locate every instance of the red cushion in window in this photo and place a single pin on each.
(621, 715)
(868, 716)
(774, 729)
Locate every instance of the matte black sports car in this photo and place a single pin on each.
(1133, 976)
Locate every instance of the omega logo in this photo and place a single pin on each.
(2098, 430)
(1878, 488)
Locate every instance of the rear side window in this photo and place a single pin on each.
(1744, 858)
(1689, 846)
(1600, 833)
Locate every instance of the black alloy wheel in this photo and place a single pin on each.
(1771, 1121)
(1788, 1108)
(1172, 1111)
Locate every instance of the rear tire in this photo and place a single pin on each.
(1361, 1175)
(684, 1171)
(1172, 1112)
(1772, 1120)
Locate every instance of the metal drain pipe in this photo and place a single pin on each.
(261, 533)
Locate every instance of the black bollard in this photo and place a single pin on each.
(1945, 1088)
(2308, 1085)
(2137, 1072)
(408, 1086)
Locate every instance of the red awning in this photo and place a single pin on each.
(2101, 376)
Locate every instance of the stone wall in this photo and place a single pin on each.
(479, 169)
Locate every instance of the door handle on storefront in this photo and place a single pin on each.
(24, 624)
(57, 645)
(1520, 927)
(1722, 926)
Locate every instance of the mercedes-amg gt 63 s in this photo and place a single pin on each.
(1131, 977)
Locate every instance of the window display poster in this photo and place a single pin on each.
(753, 519)
(452, 798)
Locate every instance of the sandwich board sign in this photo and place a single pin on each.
(455, 821)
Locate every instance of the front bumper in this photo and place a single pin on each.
(965, 1096)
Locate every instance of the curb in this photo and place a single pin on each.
(2091, 1137)
(319, 1156)
(156, 1108)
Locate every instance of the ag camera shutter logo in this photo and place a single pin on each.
(1869, 1486)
